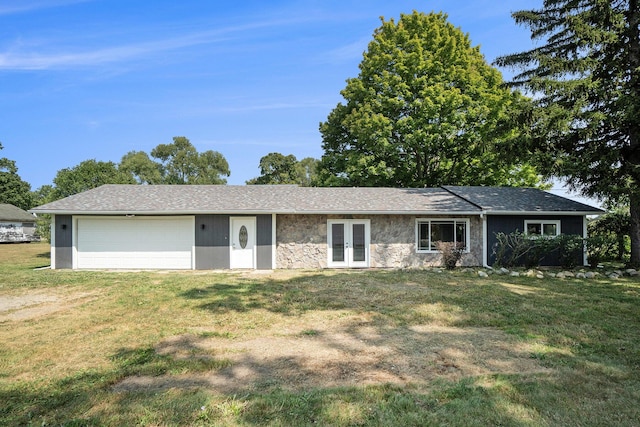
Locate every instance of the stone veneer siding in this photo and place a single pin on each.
(301, 241)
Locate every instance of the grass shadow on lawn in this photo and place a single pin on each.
(197, 329)
(88, 398)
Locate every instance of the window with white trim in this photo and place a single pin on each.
(430, 231)
(542, 228)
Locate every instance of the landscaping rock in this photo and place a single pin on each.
(581, 276)
(514, 274)
(551, 274)
(613, 276)
(540, 276)
(590, 275)
(482, 274)
(568, 274)
(503, 271)
(560, 275)
(631, 272)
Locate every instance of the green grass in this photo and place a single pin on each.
(63, 367)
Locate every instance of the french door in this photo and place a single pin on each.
(348, 242)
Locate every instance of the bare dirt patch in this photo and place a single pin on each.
(35, 304)
(348, 351)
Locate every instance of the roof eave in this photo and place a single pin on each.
(255, 212)
(561, 213)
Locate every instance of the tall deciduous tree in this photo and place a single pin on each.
(425, 110)
(13, 189)
(307, 171)
(141, 167)
(85, 176)
(276, 168)
(182, 164)
(586, 79)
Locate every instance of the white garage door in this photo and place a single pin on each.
(136, 242)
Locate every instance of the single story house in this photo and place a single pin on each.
(286, 226)
(16, 225)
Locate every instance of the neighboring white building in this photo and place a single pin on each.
(16, 225)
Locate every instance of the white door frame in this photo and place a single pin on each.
(240, 257)
(348, 260)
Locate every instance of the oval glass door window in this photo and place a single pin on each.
(243, 237)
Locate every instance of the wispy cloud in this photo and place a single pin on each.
(347, 53)
(39, 61)
(18, 58)
(271, 106)
(9, 7)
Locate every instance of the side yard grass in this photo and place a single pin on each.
(289, 348)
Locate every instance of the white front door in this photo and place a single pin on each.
(243, 242)
(348, 242)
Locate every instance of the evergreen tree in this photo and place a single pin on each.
(586, 84)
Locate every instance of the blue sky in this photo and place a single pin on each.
(95, 79)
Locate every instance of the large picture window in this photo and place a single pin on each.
(541, 228)
(430, 231)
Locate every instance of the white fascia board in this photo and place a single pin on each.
(528, 213)
(269, 212)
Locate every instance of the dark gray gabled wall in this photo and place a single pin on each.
(212, 242)
(63, 241)
(570, 224)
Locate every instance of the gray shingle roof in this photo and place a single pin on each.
(191, 199)
(14, 214)
(185, 199)
(512, 199)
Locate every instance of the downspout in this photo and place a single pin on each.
(483, 217)
(585, 234)
(485, 241)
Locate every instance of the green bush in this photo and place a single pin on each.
(599, 248)
(570, 249)
(518, 249)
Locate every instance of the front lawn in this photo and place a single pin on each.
(288, 348)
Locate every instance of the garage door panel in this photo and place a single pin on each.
(139, 242)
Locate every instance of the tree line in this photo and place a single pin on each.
(173, 163)
(427, 109)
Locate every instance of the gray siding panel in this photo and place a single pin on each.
(212, 242)
(572, 224)
(264, 242)
(64, 241)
